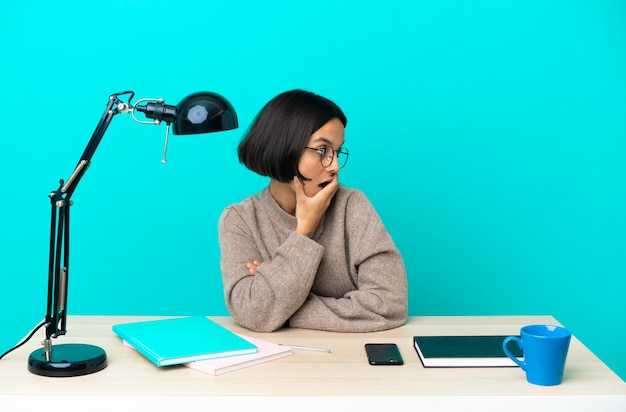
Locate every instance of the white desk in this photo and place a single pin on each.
(310, 380)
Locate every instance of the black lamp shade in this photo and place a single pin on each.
(204, 112)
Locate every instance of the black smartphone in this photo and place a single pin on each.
(383, 354)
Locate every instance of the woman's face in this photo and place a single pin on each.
(310, 166)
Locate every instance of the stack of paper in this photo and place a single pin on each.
(267, 351)
(197, 342)
(175, 341)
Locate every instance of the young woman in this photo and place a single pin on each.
(307, 252)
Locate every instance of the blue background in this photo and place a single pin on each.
(490, 136)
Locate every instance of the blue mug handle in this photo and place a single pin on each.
(519, 342)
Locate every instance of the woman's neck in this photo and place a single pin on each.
(284, 195)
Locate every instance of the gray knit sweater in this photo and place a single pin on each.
(349, 277)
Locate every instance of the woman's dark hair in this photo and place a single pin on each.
(278, 135)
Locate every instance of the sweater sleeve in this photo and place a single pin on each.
(264, 302)
(379, 299)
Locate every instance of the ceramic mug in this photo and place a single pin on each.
(545, 351)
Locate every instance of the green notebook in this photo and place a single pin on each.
(464, 351)
(175, 341)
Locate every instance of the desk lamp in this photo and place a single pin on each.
(203, 112)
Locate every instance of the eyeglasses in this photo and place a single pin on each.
(327, 155)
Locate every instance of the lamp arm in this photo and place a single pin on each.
(114, 106)
(58, 268)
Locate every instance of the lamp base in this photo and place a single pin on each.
(70, 359)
